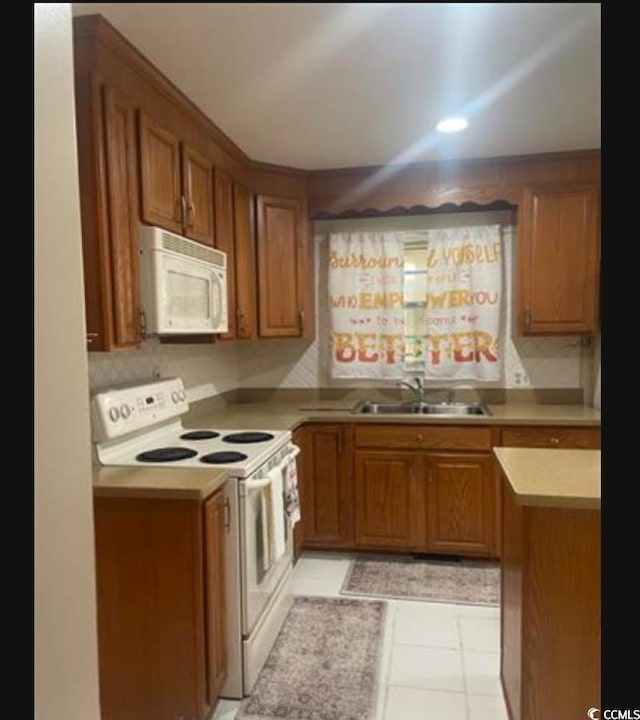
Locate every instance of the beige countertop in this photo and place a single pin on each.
(288, 415)
(552, 478)
(145, 482)
(193, 483)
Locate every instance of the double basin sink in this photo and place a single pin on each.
(420, 408)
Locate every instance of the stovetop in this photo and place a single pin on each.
(240, 451)
(140, 425)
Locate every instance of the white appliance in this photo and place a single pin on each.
(183, 284)
(140, 425)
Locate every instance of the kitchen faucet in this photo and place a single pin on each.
(418, 388)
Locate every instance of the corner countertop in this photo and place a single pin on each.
(289, 415)
(162, 482)
(552, 478)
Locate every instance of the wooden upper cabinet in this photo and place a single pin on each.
(107, 165)
(161, 194)
(389, 500)
(176, 184)
(197, 184)
(280, 267)
(121, 180)
(559, 259)
(461, 503)
(245, 263)
(225, 241)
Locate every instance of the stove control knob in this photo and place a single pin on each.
(125, 411)
(182, 395)
(114, 414)
(175, 397)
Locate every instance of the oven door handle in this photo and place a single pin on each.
(258, 484)
(261, 484)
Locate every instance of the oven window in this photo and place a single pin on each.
(189, 296)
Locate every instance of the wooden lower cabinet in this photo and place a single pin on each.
(327, 494)
(161, 606)
(579, 438)
(215, 595)
(389, 500)
(411, 487)
(551, 610)
(461, 503)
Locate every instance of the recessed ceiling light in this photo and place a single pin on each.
(452, 124)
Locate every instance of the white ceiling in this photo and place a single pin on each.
(319, 85)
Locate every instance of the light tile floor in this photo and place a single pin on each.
(439, 661)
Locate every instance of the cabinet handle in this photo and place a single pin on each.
(183, 209)
(142, 328)
(420, 437)
(301, 320)
(240, 321)
(191, 214)
(227, 515)
(91, 337)
(527, 318)
(554, 441)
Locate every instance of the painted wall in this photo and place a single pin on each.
(557, 362)
(66, 661)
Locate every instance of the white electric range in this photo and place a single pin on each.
(139, 425)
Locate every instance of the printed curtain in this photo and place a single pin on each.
(366, 301)
(453, 299)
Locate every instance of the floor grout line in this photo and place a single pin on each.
(467, 709)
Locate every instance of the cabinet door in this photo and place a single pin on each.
(197, 184)
(327, 497)
(150, 609)
(225, 241)
(559, 257)
(279, 251)
(245, 262)
(215, 584)
(461, 503)
(160, 176)
(121, 186)
(389, 500)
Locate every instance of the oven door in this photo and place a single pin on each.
(260, 576)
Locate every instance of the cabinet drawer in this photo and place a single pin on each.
(413, 437)
(552, 437)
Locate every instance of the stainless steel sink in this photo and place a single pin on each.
(420, 408)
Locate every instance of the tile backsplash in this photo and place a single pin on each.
(207, 370)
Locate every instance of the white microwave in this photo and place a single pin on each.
(183, 284)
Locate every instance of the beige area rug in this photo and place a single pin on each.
(324, 664)
(475, 582)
